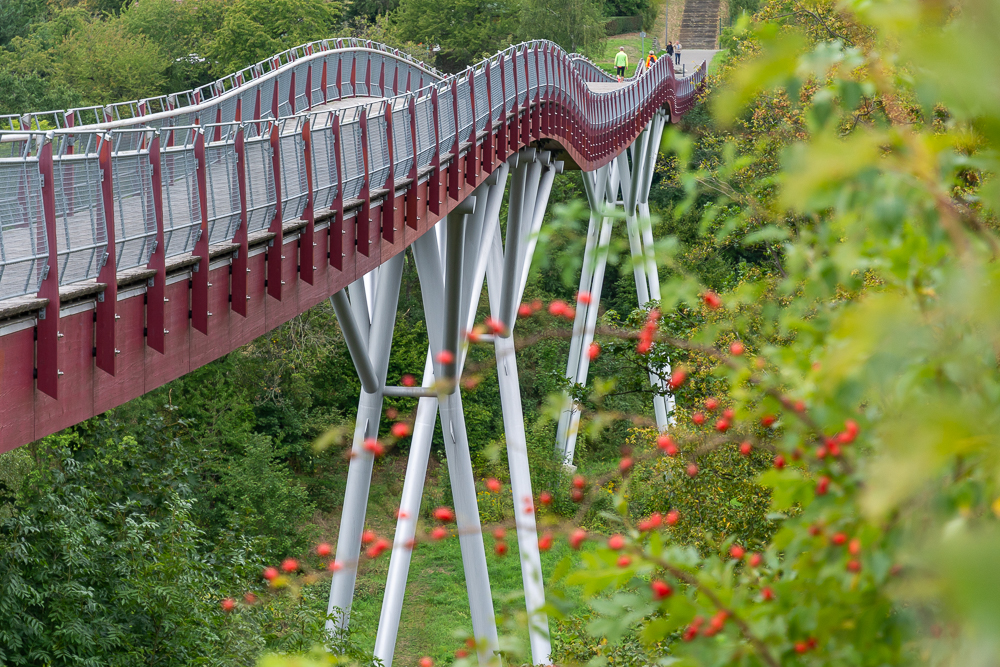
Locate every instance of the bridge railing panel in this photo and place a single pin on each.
(361, 67)
(332, 74)
(24, 247)
(132, 191)
(222, 183)
(81, 229)
(324, 159)
(261, 197)
(294, 185)
(425, 130)
(520, 56)
(465, 119)
(179, 175)
(446, 120)
(378, 145)
(301, 91)
(402, 141)
(352, 158)
(496, 88)
(480, 84)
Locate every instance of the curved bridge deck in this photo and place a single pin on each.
(145, 239)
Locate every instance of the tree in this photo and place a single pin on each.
(17, 17)
(576, 25)
(255, 29)
(466, 30)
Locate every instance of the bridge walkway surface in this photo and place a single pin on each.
(144, 239)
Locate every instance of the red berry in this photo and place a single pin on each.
(661, 589)
(439, 533)
(444, 514)
(854, 565)
(445, 357)
(524, 310)
(381, 546)
(493, 484)
(712, 300)
(426, 662)
(545, 498)
(461, 653)
(250, 598)
(755, 560)
(374, 447)
(672, 517)
(367, 537)
(593, 351)
(228, 604)
(801, 647)
(624, 561)
(854, 547)
(779, 461)
(625, 464)
(729, 413)
(495, 326)
(644, 346)
(616, 542)
(821, 453)
(767, 420)
(323, 549)
(711, 404)
(834, 449)
(579, 482)
(692, 470)
(666, 443)
(500, 548)
(583, 297)
(576, 495)
(698, 418)
(536, 305)
(815, 530)
(545, 542)
(557, 308)
(736, 349)
(677, 378)
(289, 565)
(270, 573)
(722, 425)
(745, 448)
(408, 380)
(577, 538)
(335, 566)
(838, 538)
(736, 552)
(800, 406)
(766, 593)
(400, 429)
(654, 521)
(499, 533)
(822, 486)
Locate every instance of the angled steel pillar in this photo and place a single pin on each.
(372, 363)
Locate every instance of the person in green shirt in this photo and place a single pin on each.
(621, 62)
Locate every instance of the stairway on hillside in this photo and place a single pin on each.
(700, 25)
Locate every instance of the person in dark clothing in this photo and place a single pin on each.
(670, 50)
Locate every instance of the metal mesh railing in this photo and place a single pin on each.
(222, 189)
(181, 208)
(81, 230)
(402, 141)
(351, 156)
(324, 160)
(465, 119)
(23, 244)
(515, 76)
(480, 83)
(261, 197)
(132, 180)
(294, 186)
(378, 145)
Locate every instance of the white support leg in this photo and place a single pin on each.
(360, 468)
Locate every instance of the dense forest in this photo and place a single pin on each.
(827, 251)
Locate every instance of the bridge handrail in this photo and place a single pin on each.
(55, 205)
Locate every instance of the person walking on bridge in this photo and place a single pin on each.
(621, 62)
(670, 50)
(650, 59)
(677, 53)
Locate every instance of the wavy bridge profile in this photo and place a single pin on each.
(142, 240)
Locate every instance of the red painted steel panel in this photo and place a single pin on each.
(175, 360)
(397, 218)
(129, 381)
(366, 264)
(340, 279)
(243, 330)
(279, 312)
(17, 389)
(76, 384)
(310, 295)
(208, 348)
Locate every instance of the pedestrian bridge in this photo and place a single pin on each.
(142, 240)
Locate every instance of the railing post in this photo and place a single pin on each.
(363, 220)
(389, 203)
(156, 287)
(487, 157)
(336, 252)
(199, 276)
(238, 281)
(107, 301)
(273, 280)
(501, 143)
(526, 119)
(471, 158)
(453, 167)
(434, 182)
(412, 210)
(307, 241)
(47, 345)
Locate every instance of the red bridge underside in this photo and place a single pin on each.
(27, 414)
